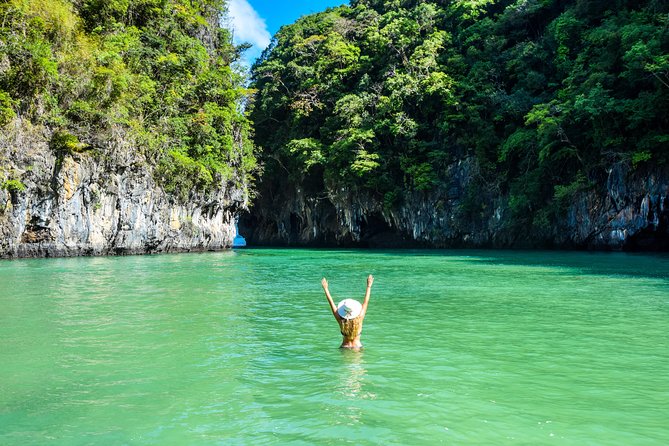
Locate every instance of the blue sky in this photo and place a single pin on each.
(256, 21)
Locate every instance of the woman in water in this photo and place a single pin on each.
(349, 314)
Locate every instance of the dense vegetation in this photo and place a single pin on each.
(152, 75)
(546, 95)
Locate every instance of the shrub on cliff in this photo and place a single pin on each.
(6, 111)
(153, 74)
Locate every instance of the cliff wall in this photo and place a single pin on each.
(98, 203)
(626, 212)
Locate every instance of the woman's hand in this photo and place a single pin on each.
(324, 282)
(370, 281)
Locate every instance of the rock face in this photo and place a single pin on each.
(109, 203)
(629, 211)
(97, 204)
(632, 212)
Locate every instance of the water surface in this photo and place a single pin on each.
(239, 348)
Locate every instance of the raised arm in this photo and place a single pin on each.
(370, 281)
(333, 307)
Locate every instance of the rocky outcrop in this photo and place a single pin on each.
(100, 202)
(630, 211)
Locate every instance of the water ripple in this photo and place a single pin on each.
(239, 349)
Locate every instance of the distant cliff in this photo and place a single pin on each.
(486, 124)
(629, 211)
(121, 129)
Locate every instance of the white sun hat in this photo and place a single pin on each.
(349, 308)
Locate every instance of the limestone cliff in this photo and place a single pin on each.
(627, 211)
(100, 202)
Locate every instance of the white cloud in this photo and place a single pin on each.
(248, 27)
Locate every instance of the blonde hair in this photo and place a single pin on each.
(351, 328)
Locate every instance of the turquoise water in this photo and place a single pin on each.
(239, 348)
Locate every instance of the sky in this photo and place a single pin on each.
(256, 21)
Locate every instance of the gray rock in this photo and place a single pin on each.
(87, 204)
(629, 211)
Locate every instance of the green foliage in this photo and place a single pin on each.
(640, 156)
(182, 175)
(381, 96)
(65, 142)
(564, 193)
(307, 151)
(6, 111)
(422, 176)
(155, 74)
(13, 186)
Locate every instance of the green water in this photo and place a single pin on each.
(239, 348)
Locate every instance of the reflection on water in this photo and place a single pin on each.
(352, 379)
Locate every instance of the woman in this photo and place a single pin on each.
(349, 314)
